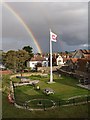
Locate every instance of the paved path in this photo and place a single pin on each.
(53, 107)
(77, 96)
(84, 86)
(76, 103)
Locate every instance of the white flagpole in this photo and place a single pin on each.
(51, 75)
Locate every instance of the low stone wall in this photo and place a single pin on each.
(12, 90)
(26, 74)
(30, 83)
(47, 69)
(76, 74)
(71, 74)
(84, 74)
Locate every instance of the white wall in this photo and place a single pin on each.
(60, 60)
(33, 63)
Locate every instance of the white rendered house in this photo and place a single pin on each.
(37, 59)
(60, 60)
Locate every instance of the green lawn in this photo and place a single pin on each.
(64, 87)
(9, 111)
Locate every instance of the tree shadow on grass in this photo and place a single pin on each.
(66, 80)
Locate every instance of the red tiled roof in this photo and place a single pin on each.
(85, 51)
(38, 58)
(83, 59)
(65, 59)
(74, 60)
(5, 72)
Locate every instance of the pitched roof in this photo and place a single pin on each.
(65, 59)
(70, 59)
(85, 51)
(38, 58)
(81, 53)
(74, 60)
(84, 59)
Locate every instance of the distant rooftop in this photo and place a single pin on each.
(38, 58)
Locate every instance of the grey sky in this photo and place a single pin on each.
(68, 20)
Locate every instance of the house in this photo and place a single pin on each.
(84, 65)
(82, 54)
(84, 71)
(59, 60)
(71, 64)
(77, 61)
(37, 60)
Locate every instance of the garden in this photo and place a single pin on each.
(66, 94)
(64, 89)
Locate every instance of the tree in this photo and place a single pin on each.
(22, 56)
(9, 59)
(66, 52)
(29, 50)
(53, 60)
(15, 60)
(38, 53)
(0, 56)
(3, 58)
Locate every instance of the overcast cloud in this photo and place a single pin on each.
(68, 20)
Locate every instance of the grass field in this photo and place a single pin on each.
(64, 87)
(80, 111)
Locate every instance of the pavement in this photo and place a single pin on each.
(84, 86)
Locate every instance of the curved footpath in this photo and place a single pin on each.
(53, 107)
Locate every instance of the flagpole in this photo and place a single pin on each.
(51, 75)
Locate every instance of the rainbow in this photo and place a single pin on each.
(25, 26)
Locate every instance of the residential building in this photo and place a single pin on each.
(37, 60)
(83, 65)
(59, 60)
(82, 54)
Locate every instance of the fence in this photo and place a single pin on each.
(74, 101)
(56, 103)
